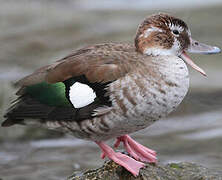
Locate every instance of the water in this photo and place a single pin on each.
(35, 33)
(194, 138)
(143, 4)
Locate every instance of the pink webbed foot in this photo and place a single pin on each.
(127, 162)
(136, 150)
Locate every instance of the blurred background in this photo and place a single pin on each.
(34, 33)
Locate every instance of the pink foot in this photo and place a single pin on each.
(127, 162)
(136, 150)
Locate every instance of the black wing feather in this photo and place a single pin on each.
(27, 107)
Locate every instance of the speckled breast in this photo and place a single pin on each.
(147, 94)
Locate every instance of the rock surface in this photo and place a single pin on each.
(173, 171)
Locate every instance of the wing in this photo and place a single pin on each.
(44, 94)
(99, 63)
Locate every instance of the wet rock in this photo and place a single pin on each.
(173, 171)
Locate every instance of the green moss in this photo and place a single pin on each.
(112, 171)
(175, 166)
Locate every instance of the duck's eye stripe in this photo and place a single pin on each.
(81, 95)
(151, 29)
(176, 27)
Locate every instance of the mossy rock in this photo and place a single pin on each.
(173, 171)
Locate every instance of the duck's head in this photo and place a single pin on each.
(162, 34)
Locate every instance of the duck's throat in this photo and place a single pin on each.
(155, 51)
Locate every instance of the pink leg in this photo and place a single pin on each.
(127, 162)
(136, 150)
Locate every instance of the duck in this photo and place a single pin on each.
(110, 90)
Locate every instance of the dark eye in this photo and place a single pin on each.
(176, 32)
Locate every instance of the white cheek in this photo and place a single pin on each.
(158, 51)
(174, 50)
(81, 95)
(176, 46)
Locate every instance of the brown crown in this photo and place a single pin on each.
(164, 39)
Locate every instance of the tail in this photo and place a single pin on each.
(23, 109)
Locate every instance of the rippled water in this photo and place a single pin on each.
(34, 33)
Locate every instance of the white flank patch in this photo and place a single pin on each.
(81, 95)
(151, 29)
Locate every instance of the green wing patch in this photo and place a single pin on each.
(50, 94)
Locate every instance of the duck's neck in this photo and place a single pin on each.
(158, 51)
